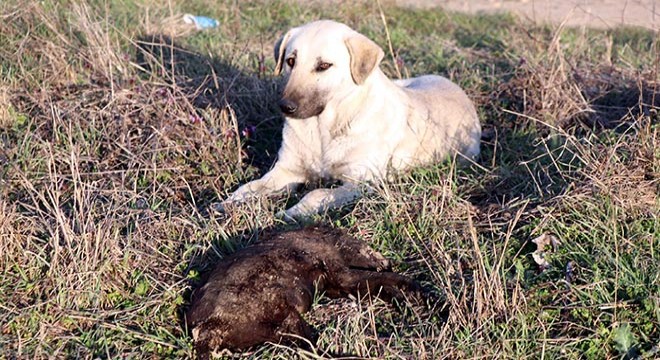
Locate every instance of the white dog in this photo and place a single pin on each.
(346, 121)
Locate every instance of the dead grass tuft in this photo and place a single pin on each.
(549, 87)
(626, 169)
(545, 88)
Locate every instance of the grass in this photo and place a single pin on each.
(119, 126)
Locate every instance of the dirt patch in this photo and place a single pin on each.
(591, 13)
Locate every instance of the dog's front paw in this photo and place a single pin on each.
(286, 217)
(296, 214)
(218, 208)
(221, 207)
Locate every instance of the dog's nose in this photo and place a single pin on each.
(288, 107)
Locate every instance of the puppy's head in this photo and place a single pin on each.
(323, 60)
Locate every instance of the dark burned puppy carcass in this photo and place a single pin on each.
(258, 294)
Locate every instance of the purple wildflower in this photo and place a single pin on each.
(195, 119)
(249, 131)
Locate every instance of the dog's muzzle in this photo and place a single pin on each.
(288, 107)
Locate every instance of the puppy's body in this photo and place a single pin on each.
(349, 122)
(259, 293)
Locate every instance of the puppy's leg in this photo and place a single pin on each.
(277, 180)
(386, 285)
(296, 330)
(320, 200)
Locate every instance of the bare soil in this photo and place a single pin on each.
(590, 13)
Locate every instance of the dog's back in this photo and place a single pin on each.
(443, 117)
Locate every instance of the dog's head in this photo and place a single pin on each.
(322, 60)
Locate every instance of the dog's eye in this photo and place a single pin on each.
(323, 66)
(291, 61)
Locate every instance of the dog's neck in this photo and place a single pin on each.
(345, 109)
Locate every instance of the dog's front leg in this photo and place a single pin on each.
(321, 200)
(278, 180)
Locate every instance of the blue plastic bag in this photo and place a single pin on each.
(201, 22)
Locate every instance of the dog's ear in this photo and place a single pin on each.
(365, 56)
(280, 49)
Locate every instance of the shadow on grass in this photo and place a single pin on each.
(211, 82)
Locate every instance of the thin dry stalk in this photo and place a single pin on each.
(389, 40)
